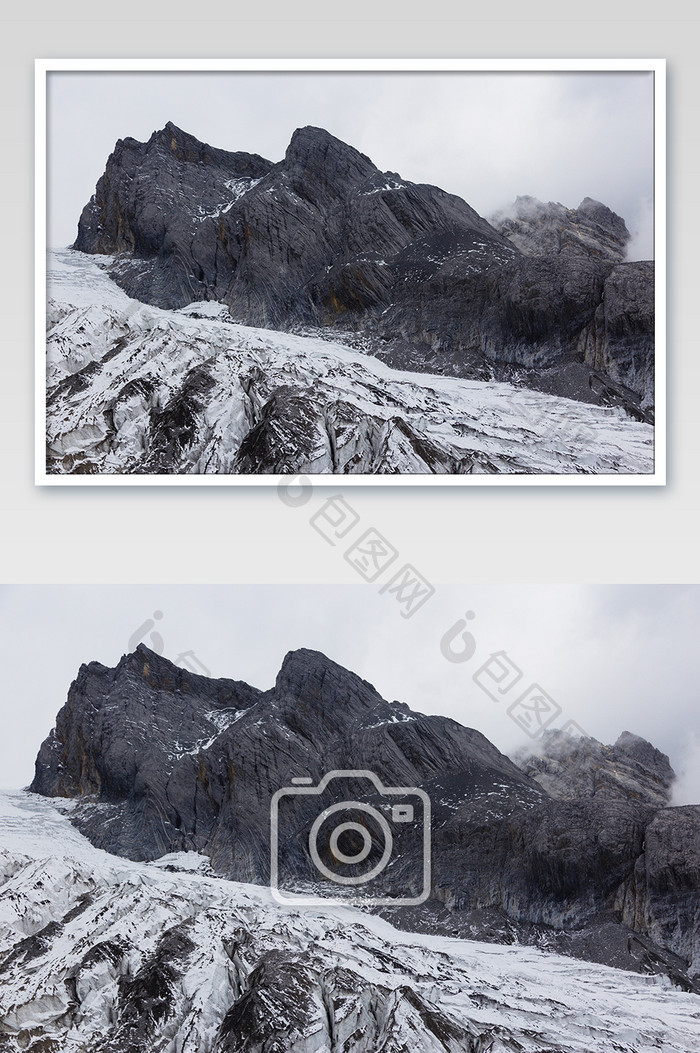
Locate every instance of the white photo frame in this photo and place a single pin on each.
(44, 67)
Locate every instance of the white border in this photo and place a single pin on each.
(656, 66)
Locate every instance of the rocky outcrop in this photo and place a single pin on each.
(619, 341)
(310, 239)
(323, 238)
(153, 203)
(164, 761)
(660, 896)
(202, 778)
(571, 768)
(537, 229)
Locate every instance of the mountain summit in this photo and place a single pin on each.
(314, 156)
(550, 229)
(161, 760)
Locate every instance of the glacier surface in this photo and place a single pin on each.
(101, 953)
(135, 389)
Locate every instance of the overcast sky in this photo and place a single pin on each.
(487, 137)
(614, 658)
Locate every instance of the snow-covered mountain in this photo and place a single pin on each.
(589, 861)
(98, 953)
(137, 389)
(324, 238)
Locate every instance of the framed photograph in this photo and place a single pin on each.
(364, 271)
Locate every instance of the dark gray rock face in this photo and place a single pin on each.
(527, 312)
(306, 240)
(157, 203)
(584, 857)
(323, 238)
(582, 328)
(538, 229)
(660, 897)
(185, 762)
(619, 341)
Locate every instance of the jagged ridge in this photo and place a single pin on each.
(539, 229)
(570, 768)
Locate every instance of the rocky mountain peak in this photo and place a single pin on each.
(171, 131)
(322, 168)
(324, 238)
(605, 216)
(311, 148)
(571, 768)
(526, 203)
(184, 146)
(142, 654)
(310, 674)
(163, 761)
(641, 750)
(157, 672)
(539, 228)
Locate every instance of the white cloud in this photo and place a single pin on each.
(641, 227)
(686, 788)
